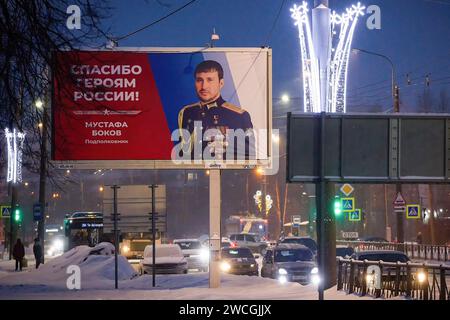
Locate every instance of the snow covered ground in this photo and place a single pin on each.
(97, 282)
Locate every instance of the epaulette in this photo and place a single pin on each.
(232, 107)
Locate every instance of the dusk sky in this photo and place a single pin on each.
(414, 34)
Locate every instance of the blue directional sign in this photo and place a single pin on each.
(348, 204)
(5, 211)
(413, 211)
(354, 215)
(37, 212)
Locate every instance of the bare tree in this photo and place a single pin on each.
(31, 31)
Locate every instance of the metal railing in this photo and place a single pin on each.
(411, 280)
(412, 250)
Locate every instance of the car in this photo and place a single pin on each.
(290, 262)
(306, 241)
(372, 239)
(238, 261)
(381, 255)
(169, 259)
(388, 273)
(196, 254)
(249, 240)
(344, 251)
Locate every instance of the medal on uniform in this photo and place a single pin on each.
(216, 119)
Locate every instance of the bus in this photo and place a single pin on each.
(247, 224)
(83, 228)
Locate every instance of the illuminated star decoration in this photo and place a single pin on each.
(14, 141)
(269, 203)
(339, 58)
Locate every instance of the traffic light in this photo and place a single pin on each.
(18, 215)
(337, 207)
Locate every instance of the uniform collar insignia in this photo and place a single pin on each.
(217, 103)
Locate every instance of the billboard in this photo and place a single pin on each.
(134, 204)
(369, 148)
(162, 108)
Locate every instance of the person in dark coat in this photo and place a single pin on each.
(419, 238)
(37, 250)
(18, 254)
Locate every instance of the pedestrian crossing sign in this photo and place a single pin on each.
(5, 211)
(413, 211)
(354, 215)
(348, 204)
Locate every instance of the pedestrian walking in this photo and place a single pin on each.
(18, 254)
(37, 250)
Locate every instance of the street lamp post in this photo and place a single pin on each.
(396, 108)
(395, 89)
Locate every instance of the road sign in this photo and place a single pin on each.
(399, 209)
(348, 204)
(355, 215)
(37, 212)
(413, 211)
(5, 211)
(296, 220)
(347, 189)
(399, 200)
(350, 235)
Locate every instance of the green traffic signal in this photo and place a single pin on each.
(17, 215)
(337, 207)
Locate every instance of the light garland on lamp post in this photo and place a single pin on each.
(14, 141)
(335, 86)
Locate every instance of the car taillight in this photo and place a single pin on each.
(233, 244)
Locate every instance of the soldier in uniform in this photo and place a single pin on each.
(213, 111)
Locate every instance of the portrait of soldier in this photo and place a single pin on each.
(212, 110)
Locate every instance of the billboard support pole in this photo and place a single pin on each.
(116, 235)
(214, 227)
(153, 187)
(326, 226)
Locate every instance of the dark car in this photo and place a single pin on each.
(381, 255)
(388, 272)
(344, 251)
(372, 239)
(239, 261)
(290, 262)
(306, 241)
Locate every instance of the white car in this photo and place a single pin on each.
(195, 253)
(168, 259)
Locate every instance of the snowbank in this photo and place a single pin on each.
(96, 269)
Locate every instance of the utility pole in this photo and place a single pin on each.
(398, 186)
(43, 177)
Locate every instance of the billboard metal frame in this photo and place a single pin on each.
(393, 144)
(169, 164)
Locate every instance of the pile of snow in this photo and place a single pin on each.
(97, 269)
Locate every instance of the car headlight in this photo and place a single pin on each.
(225, 266)
(315, 277)
(282, 271)
(204, 254)
(125, 249)
(282, 279)
(252, 265)
(58, 245)
(421, 276)
(370, 279)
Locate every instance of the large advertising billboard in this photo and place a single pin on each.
(130, 108)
